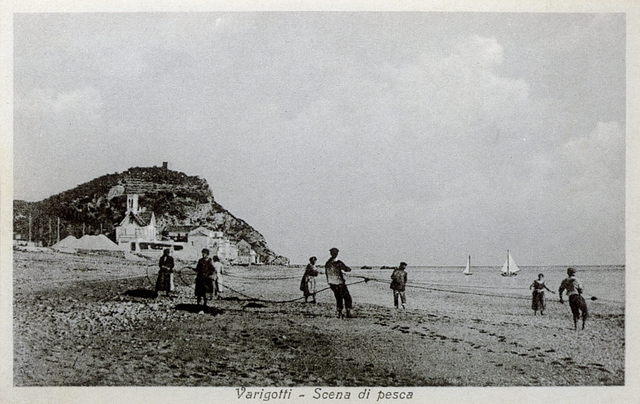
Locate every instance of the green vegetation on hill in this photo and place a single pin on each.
(100, 204)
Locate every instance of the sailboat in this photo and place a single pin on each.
(510, 268)
(467, 269)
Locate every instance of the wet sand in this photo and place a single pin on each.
(83, 320)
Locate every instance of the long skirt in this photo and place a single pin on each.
(164, 283)
(308, 286)
(537, 300)
(204, 286)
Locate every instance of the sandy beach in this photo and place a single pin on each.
(90, 320)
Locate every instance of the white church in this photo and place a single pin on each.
(137, 226)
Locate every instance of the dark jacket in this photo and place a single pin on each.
(205, 268)
(204, 277)
(166, 263)
(333, 269)
(398, 280)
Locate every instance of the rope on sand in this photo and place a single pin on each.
(364, 279)
(257, 278)
(281, 301)
(418, 286)
(256, 299)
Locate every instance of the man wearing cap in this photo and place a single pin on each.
(204, 277)
(574, 291)
(334, 269)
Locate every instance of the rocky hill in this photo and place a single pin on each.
(99, 205)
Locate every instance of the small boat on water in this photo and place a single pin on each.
(510, 268)
(467, 269)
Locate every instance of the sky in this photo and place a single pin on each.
(421, 137)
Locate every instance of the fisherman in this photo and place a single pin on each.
(334, 269)
(308, 282)
(164, 283)
(204, 277)
(217, 277)
(398, 283)
(537, 296)
(577, 303)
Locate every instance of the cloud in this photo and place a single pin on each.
(67, 125)
(446, 143)
(601, 151)
(47, 101)
(314, 133)
(487, 52)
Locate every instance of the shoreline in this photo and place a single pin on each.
(86, 331)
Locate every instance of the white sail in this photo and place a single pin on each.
(467, 269)
(513, 267)
(505, 267)
(510, 266)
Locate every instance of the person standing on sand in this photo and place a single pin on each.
(334, 269)
(308, 282)
(576, 301)
(204, 277)
(217, 276)
(537, 297)
(398, 283)
(164, 283)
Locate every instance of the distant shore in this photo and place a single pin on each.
(90, 320)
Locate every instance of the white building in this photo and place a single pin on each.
(215, 241)
(226, 250)
(137, 226)
(178, 233)
(200, 238)
(246, 254)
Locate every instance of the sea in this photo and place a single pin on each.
(605, 282)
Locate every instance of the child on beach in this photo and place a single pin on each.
(576, 301)
(537, 297)
(165, 275)
(398, 283)
(334, 269)
(204, 277)
(308, 282)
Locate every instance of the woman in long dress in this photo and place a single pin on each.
(164, 283)
(308, 282)
(537, 297)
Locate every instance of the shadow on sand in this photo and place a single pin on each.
(254, 305)
(143, 293)
(195, 308)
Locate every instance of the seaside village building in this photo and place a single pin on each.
(215, 241)
(246, 255)
(179, 234)
(197, 238)
(137, 226)
(137, 232)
